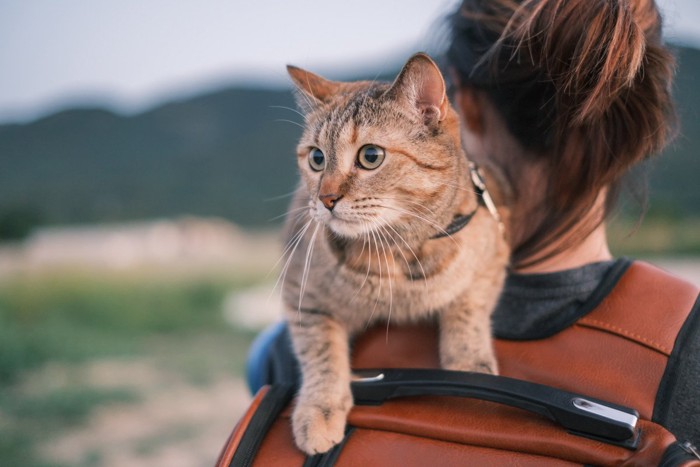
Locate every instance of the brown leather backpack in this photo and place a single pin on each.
(584, 396)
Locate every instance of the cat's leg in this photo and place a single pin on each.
(324, 400)
(465, 330)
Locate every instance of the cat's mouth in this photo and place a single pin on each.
(348, 221)
(341, 223)
(345, 227)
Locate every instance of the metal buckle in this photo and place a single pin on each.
(605, 411)
(688, 447)
(368, 379)
(478, 181)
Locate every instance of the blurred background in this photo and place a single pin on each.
(146, 156)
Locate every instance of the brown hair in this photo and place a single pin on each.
(584, 85)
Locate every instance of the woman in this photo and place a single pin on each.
(564, 97)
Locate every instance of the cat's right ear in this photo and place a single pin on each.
(313, 89)
(421, 84)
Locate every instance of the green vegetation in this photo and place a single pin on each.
(657, 236)
(73, 317)
(66, 321)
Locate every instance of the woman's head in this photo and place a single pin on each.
(583, 86)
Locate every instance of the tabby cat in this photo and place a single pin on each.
(374, 234)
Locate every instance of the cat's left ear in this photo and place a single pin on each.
(421, 82)
(314, 89)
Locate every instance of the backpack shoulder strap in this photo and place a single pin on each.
(647, 306)
(617, 352)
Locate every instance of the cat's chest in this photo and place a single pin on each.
(401, 266)
(393, 284)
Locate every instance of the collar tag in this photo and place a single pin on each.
(478, 181)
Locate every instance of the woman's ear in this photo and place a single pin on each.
(469, 104)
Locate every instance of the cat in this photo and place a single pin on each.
(374, 233)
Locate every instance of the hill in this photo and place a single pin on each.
(221, 154)
(228, 153)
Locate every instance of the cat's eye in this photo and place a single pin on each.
(370, 156)
(317, 160)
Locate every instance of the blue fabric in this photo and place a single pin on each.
(259, 355)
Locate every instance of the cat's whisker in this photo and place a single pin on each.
(295, 239)
(300, 216)
(293, 244)
(418, 205)
(305, 208)
(391, 292)
(287, 108)
(368, 240)
(307, 265)
(437, 226)
(287, 259)
(378, 226)
(420, 265)
(283, 274)
(289, 121)
(396, 245)
(301, 208)
(369, 262)
(405, 200)
(379, 288)
(285, 195)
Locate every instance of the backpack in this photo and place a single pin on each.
(584, 396)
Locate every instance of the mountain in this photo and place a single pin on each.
(221, 154)
(229, 153)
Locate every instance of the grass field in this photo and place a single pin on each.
(72, 344)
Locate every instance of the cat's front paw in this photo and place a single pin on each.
(318, 427)
(489, 366)
(480, 364)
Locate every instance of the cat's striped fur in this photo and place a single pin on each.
(360, 246)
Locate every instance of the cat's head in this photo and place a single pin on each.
(380, 157)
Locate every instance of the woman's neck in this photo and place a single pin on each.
(592, 249)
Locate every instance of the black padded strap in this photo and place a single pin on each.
(576, 413)
(276, 399)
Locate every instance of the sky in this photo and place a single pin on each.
(131, 54)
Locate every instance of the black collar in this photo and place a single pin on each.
(483, 198)
(459, 222)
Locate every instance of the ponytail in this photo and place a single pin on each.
(592, 50)
(583, 84)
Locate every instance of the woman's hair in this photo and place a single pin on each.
(584, 86)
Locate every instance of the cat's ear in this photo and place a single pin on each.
(422, 85)
(313, 89)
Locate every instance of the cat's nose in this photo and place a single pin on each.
(330, 200)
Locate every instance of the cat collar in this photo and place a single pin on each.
(483, 199)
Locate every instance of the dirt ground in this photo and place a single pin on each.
(175, 423)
